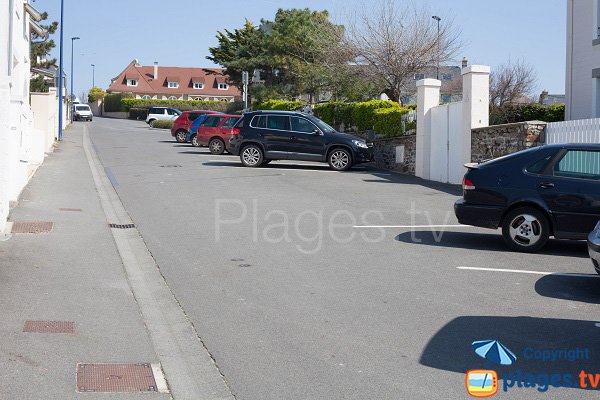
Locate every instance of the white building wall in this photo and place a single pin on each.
(583, 57)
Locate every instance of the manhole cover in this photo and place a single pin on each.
(115, 378)
(171, 166)
(31, 227)
(70, 209)
(49, 326)
(122, 226)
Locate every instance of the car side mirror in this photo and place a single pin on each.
(317, 132)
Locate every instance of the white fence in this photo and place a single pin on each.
(576, 131)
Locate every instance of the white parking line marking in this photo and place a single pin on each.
(522, 271)
(413, 226)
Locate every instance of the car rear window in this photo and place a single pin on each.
(279, 122)
(230, 122)
(539, 166)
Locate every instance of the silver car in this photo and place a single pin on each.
(594, 247)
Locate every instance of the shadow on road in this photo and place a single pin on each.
(396, 178)
(575, 288)
(450, 348)
(487, 242)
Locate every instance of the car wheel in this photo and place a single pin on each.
(180, 136)
(151, 123)
(251, 156)
(340, 159)
(216, 146)
(526, 229)
(195, 141)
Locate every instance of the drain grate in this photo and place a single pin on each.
(115, 378)
(49, 326)
(122, 226)
(31, 227)
(171, 166)
(70, 209)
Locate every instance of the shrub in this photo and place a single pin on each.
(510, 113)
(363, 113)
(283, 105)
(162, 124)
(183, 105)
(113, 102)
(138, 113)
(335, 113)
(389, 121)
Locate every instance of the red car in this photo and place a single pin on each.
(183, 122)
(215, 131)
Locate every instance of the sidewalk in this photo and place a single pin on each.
(73, 273)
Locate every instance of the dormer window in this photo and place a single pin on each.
(173, 85)
(198, 85)
(132, 82)
(223, 86)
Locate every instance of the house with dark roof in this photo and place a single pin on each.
(174, 83)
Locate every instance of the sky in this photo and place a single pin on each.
(179, 32)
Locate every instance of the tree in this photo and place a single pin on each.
(394, 43)
(512, 82)
(95, 94)
(42, 46)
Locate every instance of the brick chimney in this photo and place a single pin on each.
(465, 62)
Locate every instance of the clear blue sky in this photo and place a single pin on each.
(179, 32)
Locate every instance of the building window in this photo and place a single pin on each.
(223, 86)
(446, 77)
(173, 85)
(132, 82)
(418, 77)
(172, 98)
(198, 85)
(146, 97)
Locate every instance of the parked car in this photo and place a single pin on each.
(161, 113)
(594, 247)
(193, 129)
(215, 131)
(551, 190)
(262, 136)
(184, 121)
(82, 112)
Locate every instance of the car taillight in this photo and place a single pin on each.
(235, 131)
(468, 185)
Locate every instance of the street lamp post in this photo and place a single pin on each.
(73, 39)
(93, 75)
(438, 19)
(60, 74)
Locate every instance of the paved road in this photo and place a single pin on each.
(293, 302)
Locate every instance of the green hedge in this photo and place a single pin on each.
(511, 113)
(388, 122)
(113, 102)
(162, 124)
(360, 115)
(283, 105)
(183, 105)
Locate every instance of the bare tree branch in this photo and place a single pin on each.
(512, 82)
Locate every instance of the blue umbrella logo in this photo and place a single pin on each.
(494, 351)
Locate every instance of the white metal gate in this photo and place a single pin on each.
(576, 131)
(446, 163)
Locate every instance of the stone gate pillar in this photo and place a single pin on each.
(428, 96)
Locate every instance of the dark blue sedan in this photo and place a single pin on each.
(551, 190)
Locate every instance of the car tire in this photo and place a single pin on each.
(251, 156)
(180, 136)
(525, 229)
(151, 123)
(596, 266)
(216, 146)
(340, 159)
(194, 140)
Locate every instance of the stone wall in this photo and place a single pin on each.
(499, 140)
(396, 154)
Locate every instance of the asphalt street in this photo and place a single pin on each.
(305, 283)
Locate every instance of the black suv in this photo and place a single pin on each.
(262, 136)
(551, 190)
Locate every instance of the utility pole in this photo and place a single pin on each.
(93, 75)
(73, 39)
(245, 80)
(60, 74)
(438, 19)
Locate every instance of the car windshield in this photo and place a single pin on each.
(322, 125)
(82, 108)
